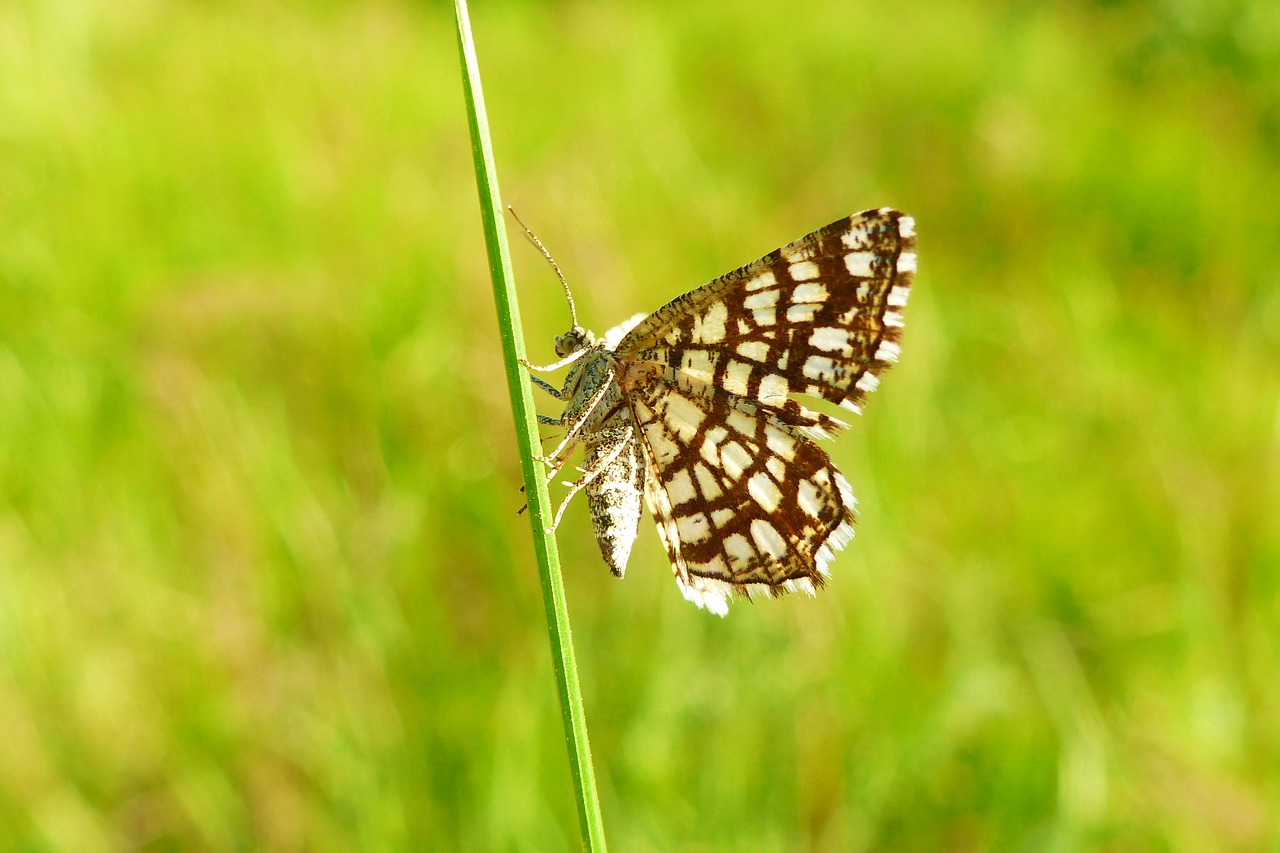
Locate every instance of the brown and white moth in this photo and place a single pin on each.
(692, 409)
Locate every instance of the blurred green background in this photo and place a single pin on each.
(262, 580)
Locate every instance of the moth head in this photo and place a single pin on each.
(574, 340)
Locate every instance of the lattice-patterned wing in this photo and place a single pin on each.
(744, 502)
(821, 316)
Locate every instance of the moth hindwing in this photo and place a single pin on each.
(694, 408)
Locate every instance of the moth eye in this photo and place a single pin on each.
(571, 341)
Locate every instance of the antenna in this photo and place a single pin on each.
(573, 313)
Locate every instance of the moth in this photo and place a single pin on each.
(691, 411)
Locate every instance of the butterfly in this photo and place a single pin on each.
(691, 410)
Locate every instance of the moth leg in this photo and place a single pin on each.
(547, 386)
(555, 365)
(589, 475)
(554, 464)
(571, 435)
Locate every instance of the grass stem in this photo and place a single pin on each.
(562, 655)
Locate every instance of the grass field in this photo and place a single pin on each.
(262, 581)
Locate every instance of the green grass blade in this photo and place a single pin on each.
(562, 655)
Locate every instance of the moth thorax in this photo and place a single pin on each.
(573, 340)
